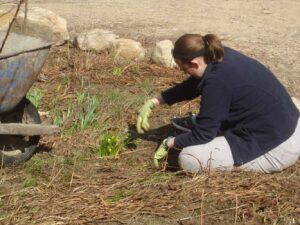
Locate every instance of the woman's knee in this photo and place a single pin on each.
(189, 163)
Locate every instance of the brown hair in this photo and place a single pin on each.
(190, 46)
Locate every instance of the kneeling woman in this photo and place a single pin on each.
(241, 98)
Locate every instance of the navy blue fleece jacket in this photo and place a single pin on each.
(242, 98)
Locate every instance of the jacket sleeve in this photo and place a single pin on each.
(215, 104)
(186, 90)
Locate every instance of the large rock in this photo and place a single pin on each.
(162, 55)
(95, 40)
(127, 49)
(40, 23)
(296, 102)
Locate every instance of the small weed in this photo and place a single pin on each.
(58, 120)
(61, 117)
(30, 181)
(36, 166)
(68, 161)
(82, 155)
(114, 96)
(116, 103)
(66, 175)
(80, 98)
(117, 71)
(120, 194)
(34, 209)
(158, 178)
(35, 96)
(65, 81)
(131, 141)
(147, 86)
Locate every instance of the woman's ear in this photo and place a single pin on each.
(194, 64)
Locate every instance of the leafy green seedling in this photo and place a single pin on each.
(117, 71)
(80, 98)
(90, 115)
(35, 96)
(110, 146)
(30, 181)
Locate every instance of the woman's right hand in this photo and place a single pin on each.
(142, 124)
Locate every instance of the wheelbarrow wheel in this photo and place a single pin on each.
(16, 148)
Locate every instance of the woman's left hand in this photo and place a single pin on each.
(162, 150)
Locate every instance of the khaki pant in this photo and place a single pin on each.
(217, 155)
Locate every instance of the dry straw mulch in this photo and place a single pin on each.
(128, 190)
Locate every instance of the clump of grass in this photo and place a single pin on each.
(89, 116)
(66, 175)
(147, 87)
(36, 166)
(82, 155)
(79, 115)
(30, 181)
(61, 117)
(158, 178)
(35, 96)
(120, 194)
(81, 97)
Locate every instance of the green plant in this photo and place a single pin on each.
(80, 98)
(116, 102)
(58, 120)
(82, 155)
(36, 165)
(66, 175)
(117, 71)
(110, 146)
(30, 181)
(120, 194)
(158, 178)
(35, 96)
(63, 83)
(61, 117)
(86, 118)
(131, 140)
(147, 87)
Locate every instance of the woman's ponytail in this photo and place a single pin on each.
(190, 46)
(214, 48)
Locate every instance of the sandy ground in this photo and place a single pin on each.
(268, 30)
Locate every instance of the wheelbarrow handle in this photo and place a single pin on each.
(28, 129)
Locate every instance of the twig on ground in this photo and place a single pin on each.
(236, 210)
(13, 213)
(52, 180)
(201, 209)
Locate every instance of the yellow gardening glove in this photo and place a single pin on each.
(160, 153)
(142, 121)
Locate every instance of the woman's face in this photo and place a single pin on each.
(195, 67)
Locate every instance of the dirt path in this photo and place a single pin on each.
(269, 30)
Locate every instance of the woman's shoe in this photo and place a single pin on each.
(185, 124)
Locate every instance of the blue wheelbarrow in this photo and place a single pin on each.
(20, 124)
